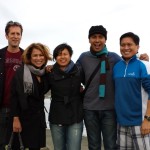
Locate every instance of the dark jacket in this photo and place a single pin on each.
(66, 105)
(92, 101)
(2, 69)
(30, 110)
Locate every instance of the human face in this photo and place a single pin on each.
(37, 58)
(97, 42)
(128, 48)
(63, 59)
(14, 36)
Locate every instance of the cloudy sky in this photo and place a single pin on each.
(52, 22)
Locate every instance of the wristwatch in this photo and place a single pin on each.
(147, 118)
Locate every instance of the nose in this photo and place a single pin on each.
(97, 39)
(39, 57)
(62, 56)
(126, 47)
(16, 35)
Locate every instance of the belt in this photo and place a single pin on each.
(5, 109)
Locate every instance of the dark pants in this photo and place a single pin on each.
(4, 119)
(101, 124)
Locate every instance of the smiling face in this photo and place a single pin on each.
(37, 58)
(14, 37)
(97, 42)
(63, 58)
(128, 48)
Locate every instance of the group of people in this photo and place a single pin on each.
(115, 107)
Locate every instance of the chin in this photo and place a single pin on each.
(38, 67)
(97, 50)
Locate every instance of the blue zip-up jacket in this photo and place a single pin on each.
(132, 90)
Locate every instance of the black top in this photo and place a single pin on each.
(66, 105)
(30, 110)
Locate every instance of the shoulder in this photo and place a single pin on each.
(84, 57)
(113, 54)
(118, 64)
(21, 49)
(3, 50)
(113, 57)
(87, 53)
(145, 64)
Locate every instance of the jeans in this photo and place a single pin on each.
(4, 119)
(67, 137)
(101, 123)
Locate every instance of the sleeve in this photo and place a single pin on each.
(14, 98)
(78, 62)
(79, 65)
(82, 75)
(145, 75)
(46, 81)
(117, 58)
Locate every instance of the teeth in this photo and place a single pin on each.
(126, 52)
(63, 61)
(39, 63)
(96, 46)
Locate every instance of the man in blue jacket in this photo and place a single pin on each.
(98, 103)
(132, 96)
(10, 60)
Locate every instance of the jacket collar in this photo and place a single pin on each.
(59, 74)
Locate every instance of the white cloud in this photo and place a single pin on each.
(53, 22)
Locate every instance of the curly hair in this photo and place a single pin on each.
(26, 56)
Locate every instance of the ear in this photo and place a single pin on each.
(89, 41)
(6, 36)
(138, 48)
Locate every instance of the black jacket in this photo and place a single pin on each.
(30, 110)
(2, 73)
(66, 105)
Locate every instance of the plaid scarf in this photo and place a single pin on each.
(104, 65)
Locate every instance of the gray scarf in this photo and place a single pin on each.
(27, 77)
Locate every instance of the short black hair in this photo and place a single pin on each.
(12, 24)
(133, 36)
(60, 48)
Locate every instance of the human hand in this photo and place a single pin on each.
(145, 127)
(16, 125)
(144, 57)
(81, 88)
(49, 68)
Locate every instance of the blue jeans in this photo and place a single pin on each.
(67, 137)
(99, 123)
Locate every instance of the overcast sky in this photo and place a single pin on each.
(53, 22)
